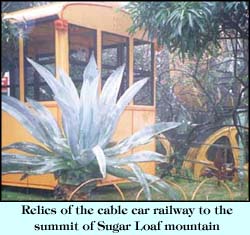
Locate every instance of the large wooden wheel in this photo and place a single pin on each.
(221, 144)
(166, 144)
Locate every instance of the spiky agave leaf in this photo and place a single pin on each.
(69, 105)
(68, 84)
(113, 116)
(140, 138)
(158, 184)
(101, 159)
(36, 121)
(48, 120)
(111, 87)
(107, 102)
(142, 179)
(89, 123)
(18, 163)
(30, 148)
(54, 135)
(28, 119)
(142, 156)
(70, 126)
(89, 106)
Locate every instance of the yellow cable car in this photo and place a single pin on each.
(63, 35)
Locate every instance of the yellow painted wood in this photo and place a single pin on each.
(47, 181)
(124, 129)
(230, 133)
(232, 136)
(202, 153)
(199, 154)
(166, 144)
(61, 56)
(140, 120)
(105, 15)
(190, 156)
(101, 17)
(96, 16)
(21, 65)
(131, 121)
(62, 50)
(14, 180)
(12, 132)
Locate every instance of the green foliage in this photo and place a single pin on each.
(10, 34)
(10, 6)
(189, 28)
(9, 46)
(212, 192)
(80, 149)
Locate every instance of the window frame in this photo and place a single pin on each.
(119, 59)
(152, 72)
(79, 80)
(27, 65)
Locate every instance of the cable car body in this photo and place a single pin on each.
(63, 35)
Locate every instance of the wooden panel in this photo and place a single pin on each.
(95, 14)
(134, 118)
(99, 17)
(131, 121)
(14, 180)
(124, 129)
(140, 120)
(12, 132)
(46, 181)
(62, 50)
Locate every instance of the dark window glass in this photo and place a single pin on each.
(114, 54)
(82, 42)
(143, 68)
(39, 46)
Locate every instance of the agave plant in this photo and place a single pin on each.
(79, 150)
